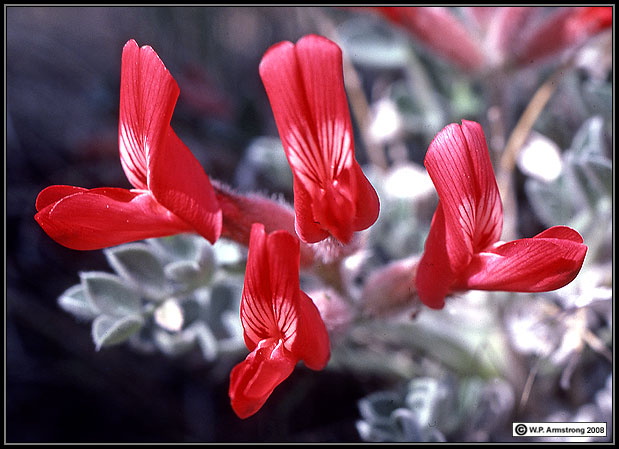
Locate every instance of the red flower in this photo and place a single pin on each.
(440, 30)
(281, 323)
(462, 251)
(305, 85)
(495, 36)
(171, 194)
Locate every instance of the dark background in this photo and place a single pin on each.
(62, 88)
(62, 98)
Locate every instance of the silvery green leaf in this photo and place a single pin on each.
(378, 407)
(173, 344)
(232, 324)
(589, 139)
(409, 429)
(111, 330)
(195, 272)
(177, 247)
(205, 339)
(264, 166)
(551, 201)
(183, 271)
(137, 263)
(598, 97)
(109, 294)
(366, 41)
(594, 173)
(374, 433)
(75, 301)
(426, 397)
(224, 296)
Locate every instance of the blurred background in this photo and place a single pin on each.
(62, 89)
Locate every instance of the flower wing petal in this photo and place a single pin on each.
(368, 206)
(253, 380)
(312, 341)
(545, 262)
(92, 219)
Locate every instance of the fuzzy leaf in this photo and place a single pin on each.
(75, 301)
(264, 166)
(137, 263)
(205, 339)
(367, 42)
(195, 272)
(174, 344)
(178, 247)
(111, 330)
(109, 294)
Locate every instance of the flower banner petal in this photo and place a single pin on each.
(152, 156)
(148, 94)
(257, 316)
(305, 86)
(98, 218)
(459, 164)
(434, 275)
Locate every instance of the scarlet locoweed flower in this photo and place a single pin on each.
(305, 86)
(171, 193)
(281, 324)
(463, 251)
(481, 38)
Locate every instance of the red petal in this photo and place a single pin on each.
(434, 275)
(273, 306)
(269, 304)
(305, 226)
(459, 164)
(587, 21)
(312, 341)
(103, 217)
(305, 86)
(549, 37)
(148, 94)
(368, 206)
(179, 183)
(441, 31)
(506, 27)
(50, 195)
(253, 380)
(152, 156)
(470, 215)
(546, 262)
(561, 232)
